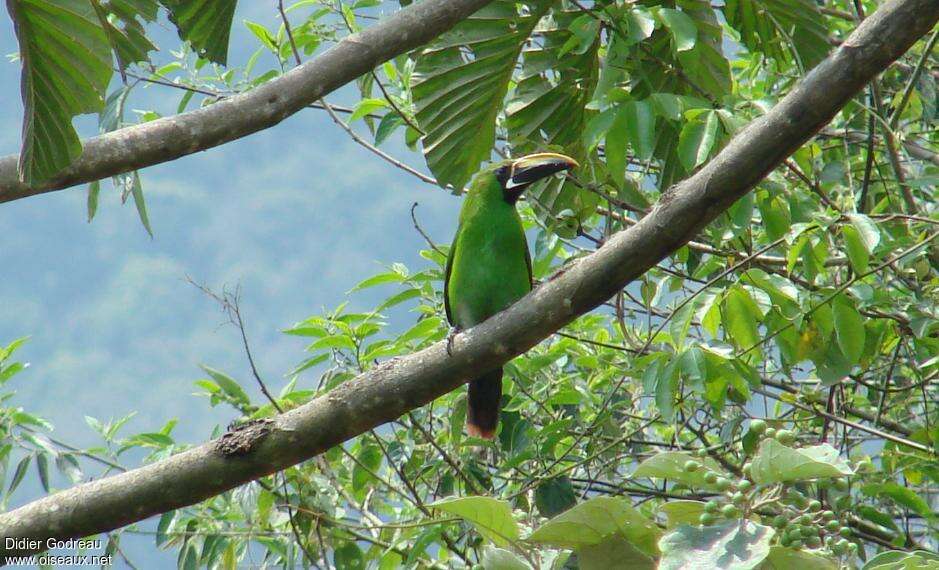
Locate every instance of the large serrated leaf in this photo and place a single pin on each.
(787, 558)
(125, 33)
(776, 463)
(459, 85)
(671, 465)
(491, 517)
(899, 560)
(737, 545)
(205, 24)
(593, 522)
(66, 69)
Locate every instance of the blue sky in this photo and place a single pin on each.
(295, 215)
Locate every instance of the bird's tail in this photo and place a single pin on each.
(483, 404)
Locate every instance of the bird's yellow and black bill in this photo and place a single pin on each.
(534, 167)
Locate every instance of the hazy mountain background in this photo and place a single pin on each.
(295, 215)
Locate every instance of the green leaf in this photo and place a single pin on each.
(349, 557)
(369, 460)
(671, 465)
(737, 545)
(500, 559)
(849, 329)
(457, 96)
(380, 279)
(42, 466)
(640, 127)
(596, 520)
(679, 512)
(614, 552)
(900, 495)
(93, 190)
(8, 350)
(639, 24)
(615, 146)
(554, 496)
(388, 124)
(19, 473)
(666, 388)
(697, 138)
(66, 70)
(366, 107)
(858, 254)
(740, 318)
(166, 521)
(261, 33)
(491, 517)
(705, 63)
(899, 560)
(124, 30)
(205, 24)
(680, 323)
(781, 28)
(777, 463)
(139, 203)
(867, 229)
(787, 559)
(681, 26)
(421, 330)
(228, 385)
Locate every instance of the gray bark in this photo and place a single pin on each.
(169, 138)
(393, 388)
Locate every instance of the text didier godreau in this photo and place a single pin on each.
(50, 544)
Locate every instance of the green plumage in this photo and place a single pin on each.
(488, 269)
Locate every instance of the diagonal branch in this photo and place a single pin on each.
(235, 117)
(393, 388)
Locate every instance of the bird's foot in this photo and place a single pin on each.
(451, 334)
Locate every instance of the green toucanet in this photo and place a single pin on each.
(489, 266)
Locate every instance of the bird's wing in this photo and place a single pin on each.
(446, 278)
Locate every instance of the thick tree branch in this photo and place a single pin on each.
(169, 138)
(398, 386)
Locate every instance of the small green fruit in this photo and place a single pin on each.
(758, 427)
(691, 466)
(730, 511)
(770, 432)
(706, 519)
(815, 505)
(785, 436)
(713, 507)
(744, 485)
(710, 477)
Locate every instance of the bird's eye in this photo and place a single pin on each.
(503, 174)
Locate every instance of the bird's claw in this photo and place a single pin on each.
(450, 336)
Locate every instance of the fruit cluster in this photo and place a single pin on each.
(800, 522)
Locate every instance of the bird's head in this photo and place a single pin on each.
(516, 174)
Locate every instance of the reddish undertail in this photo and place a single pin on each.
(484, 402)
